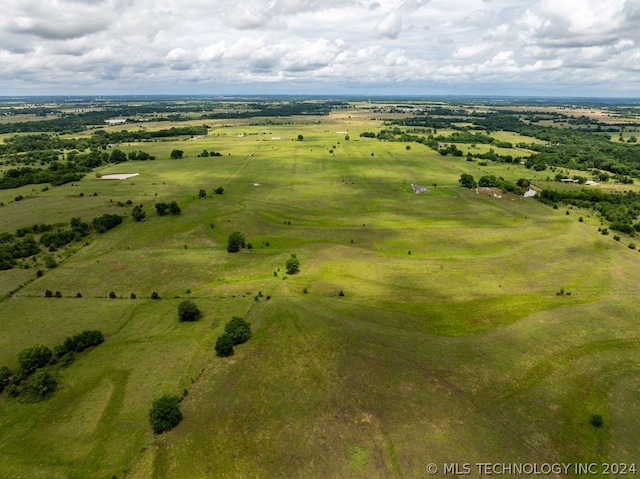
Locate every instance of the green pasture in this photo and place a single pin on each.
(450, 343)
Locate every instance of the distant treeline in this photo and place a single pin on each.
(23, 244)
(99, 139)
(279, 109)
(161, 111)
(621, 210)
(57, 174)
(579, 149)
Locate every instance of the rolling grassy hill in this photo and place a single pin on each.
(449, 345)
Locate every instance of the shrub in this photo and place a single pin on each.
(188, 311)
(224, 346)
(293, 265)
(165, 413)
(238, 330)
(5, 377)
(138, 213)
(112, 295)
(235, 242)
(106, 222)
(48, 293)
(35, 357)
(155, 295)
(219, 190)
(596, 420)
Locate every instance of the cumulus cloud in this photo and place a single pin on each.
(162, 46)
(390, 25)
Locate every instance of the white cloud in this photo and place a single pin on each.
(390, 25)
(102, 46)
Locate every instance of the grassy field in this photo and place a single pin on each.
(450, 344)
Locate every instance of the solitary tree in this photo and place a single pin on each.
(235, 242)
(177, 154)
(293, 265)
(300, 137)
(188, 311)
(165, 413)
(219, 190)
(202, 194)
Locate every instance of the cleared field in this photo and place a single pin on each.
(450, 343)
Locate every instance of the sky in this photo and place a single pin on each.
(580, 48)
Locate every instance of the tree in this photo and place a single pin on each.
(165, 413)
(300, 137)
(489, 181)
(106, 222)
(35, 357)
(224, 346)
(596, 420)
(177, 154)
(138, 213)
(174, 209)
(219, 190)
(467, 181)
(161, 208)
(40, 386)
(238, 330)
(293, 265)
(188, 311)
(202, 194)
(235, 242)
(118, 156)
(523, 183)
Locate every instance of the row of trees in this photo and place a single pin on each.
(491, 181)
(33, 382)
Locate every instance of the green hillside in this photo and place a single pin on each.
(439, 328)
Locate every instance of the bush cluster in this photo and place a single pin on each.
(236, 331)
